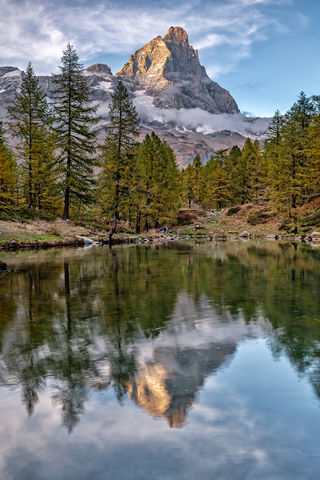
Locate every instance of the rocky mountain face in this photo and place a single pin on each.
(172, 93)
(168, 69)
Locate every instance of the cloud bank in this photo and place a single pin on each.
(38, 30)
(199, 120)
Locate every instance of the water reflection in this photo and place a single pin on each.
(152, 324)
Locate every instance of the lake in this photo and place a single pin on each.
(185, 361)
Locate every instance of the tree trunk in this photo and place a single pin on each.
(138, 223)
(65, 215)
(30, 199)
(113, 228)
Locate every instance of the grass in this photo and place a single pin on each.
(28, 237)
(191, 232)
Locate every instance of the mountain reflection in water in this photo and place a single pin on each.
(151, 324)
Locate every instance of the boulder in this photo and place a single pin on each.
(86, 240)
(163, 230)
(245, 234)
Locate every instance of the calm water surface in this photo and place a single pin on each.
(181, 362)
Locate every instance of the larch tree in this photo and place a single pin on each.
(294, 161)
(197, 178)
(273, 152)
(312, 151)
(216, 194)
(74, 121)
(248, 160)
(29, 119)
(117, 155)
(188, 184)
(232, 167)
(160, 182)
(7, 174)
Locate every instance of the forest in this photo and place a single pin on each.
(57, 168)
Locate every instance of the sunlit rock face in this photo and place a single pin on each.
(168, 69)
(167, 387)
(175, 365)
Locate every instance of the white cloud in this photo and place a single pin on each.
(38, 30)
(200, 120)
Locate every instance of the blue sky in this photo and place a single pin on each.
(263, 51)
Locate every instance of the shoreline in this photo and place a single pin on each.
(126, 239)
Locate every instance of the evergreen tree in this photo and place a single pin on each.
(46, 175)
(158, 184)
(197, 178)
(248, 158)
(7, 174)
(258, 173)
(233, 167)
(29, 114)
(312, 151)
(273, 150)
(216, 194)
(118, 161)
(188, 184)
(74, 119)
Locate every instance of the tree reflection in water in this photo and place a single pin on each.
(152, 322)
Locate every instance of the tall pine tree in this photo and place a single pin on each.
(117, 155)
(74, 119)
(7, 175)
(30, 117)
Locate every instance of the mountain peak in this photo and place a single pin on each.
(176, 34)
(168, 69)
(99, 68)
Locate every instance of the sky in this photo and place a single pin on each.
(263, 51)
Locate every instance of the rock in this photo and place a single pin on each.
(271, 237)
(169, 70)
(245, 234)
(315, 235)
(13, 244)
(163, 230)
(3, 267)
(86, 240)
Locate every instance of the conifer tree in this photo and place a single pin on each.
(74, 119)
(117, 157)
(273, 151)
(258, 173)
(233, 167)
(46, 175)
(158, 183)
(312, 151)
(7, 174)
(29, 115)
(216, 194)
(188, 184)
(248, 160)
(197, 178)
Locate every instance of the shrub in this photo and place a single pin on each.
(257, 218)
(185, 218)
(233, 211)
